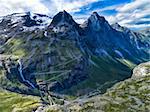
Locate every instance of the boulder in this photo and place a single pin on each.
(141, 70)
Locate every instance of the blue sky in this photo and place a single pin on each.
(129, 13)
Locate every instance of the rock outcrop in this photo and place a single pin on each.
(142, 70)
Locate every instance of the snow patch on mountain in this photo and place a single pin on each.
(26, 20)
(119, 53)
(101, 52)
(32, 28)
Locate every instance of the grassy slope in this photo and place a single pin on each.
(131, 95)
(12, 102)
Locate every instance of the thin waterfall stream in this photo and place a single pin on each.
(22, 76)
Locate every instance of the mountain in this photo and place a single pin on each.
(13, 24)
(101, 37)
(58, 57)
(35, 56)
(145, 31)
(64, 25)
(138, 39)
(23, 21)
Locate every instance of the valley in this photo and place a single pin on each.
(67, 66)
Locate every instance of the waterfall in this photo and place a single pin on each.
(22, 76)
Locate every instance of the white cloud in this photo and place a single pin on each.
(71, 5)
(40, 6)
(112, 7)
(131, 13)
(133, 5)
(141, 26)
(81, 18)
(111, 19)
(13, 6)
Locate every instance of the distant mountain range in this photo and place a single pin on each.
(61, 56)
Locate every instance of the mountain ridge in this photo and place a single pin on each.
(62, 56)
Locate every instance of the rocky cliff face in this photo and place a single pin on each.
(137, 39)
(101, 37)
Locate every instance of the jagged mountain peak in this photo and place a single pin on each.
(117, 25)
(95, 16)
(64, 23)
(62, 17)
(65, 12)
(97, 22)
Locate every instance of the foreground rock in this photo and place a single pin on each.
(141, 70)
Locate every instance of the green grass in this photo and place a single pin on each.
(12, 102)
(128, 63)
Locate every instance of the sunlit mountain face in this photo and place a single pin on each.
(56, 54)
